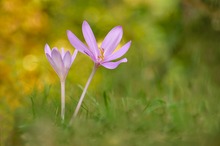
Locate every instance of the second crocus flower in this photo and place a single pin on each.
(61, 62)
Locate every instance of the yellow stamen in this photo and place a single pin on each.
(101, 56)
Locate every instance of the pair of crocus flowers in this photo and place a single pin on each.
(103, 55)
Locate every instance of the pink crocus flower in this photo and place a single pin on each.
(101, 55)
(61, 62)
(104, 54)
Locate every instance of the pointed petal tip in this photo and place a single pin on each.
(119, 28)
(113, 65)
(47, 49)
(129, 44)
(69, 33)
(55, 50)
(85, 22)
(125, 60)
(74, 55)
(46, 46)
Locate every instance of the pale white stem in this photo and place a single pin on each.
(62, 100)
(83, 94)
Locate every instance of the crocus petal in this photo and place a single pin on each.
(90, 38)
(55, 55)
(67, 60)
(120, 52)
(74, 56)
(53, 65)
(112, 40)
(113, 65)
(47, 49)
(55, 48)
(62, 53)
(77, 44)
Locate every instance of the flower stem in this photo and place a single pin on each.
(62, 100)
(83, 94)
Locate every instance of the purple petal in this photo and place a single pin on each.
(62, 53)
(120, 52)
(113, 65)
(112, 40)
(90, 38)
(77, 44)
(74, 56)
(55, 55)
(47, 49)
(67, 60)
(55, 48)
(53, 64)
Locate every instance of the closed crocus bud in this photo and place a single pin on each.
(61, 62)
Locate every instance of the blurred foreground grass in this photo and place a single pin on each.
(121, 121)
(167, 93)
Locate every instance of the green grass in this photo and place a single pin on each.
(169, 118)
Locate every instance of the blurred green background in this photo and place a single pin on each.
(172, 74)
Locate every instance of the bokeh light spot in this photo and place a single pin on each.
(30, 62)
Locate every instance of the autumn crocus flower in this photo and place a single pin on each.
(104, 54)
(101, 55)
(61, 62)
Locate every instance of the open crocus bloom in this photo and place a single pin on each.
(60, 61)
(106, 53)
